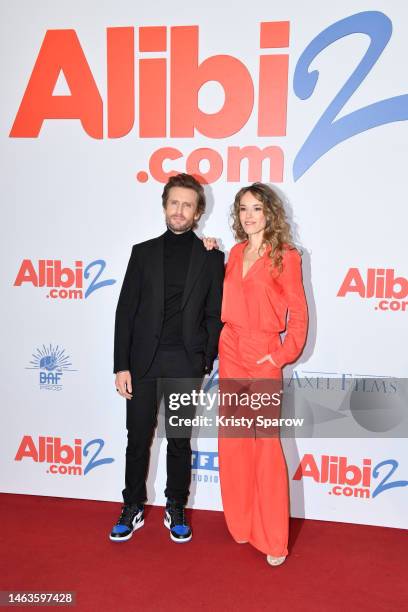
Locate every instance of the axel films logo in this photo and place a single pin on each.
(52, 363)
(204, 466)
(340, 477)
(76, 459)
(63, 283)
(162, 65)
(388, 291)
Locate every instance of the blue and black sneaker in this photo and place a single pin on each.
(175, 520)
(131, 518)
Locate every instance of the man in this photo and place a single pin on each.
(168, 321)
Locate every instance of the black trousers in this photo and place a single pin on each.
(172, 371)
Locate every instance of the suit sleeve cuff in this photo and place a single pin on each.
(209, 365)
(123, 368)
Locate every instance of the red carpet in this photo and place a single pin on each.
(62, 544)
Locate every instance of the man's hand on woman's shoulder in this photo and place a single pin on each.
(210, 243)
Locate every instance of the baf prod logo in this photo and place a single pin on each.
(63, 283)
(342, 478)
(207, 462)
(51, 362)
(62, 458)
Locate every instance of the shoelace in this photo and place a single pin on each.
(126, 515)
(177, 513)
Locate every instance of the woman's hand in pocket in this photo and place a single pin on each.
(269, 358)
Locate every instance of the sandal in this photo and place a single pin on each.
(275, 560)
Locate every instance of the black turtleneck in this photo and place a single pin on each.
(177, 251)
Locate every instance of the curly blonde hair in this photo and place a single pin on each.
(277, 232)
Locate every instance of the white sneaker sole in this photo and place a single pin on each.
(126, 538)
(167, 524)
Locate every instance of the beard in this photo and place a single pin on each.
(179, 226)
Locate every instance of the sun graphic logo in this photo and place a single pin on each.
(52, 362)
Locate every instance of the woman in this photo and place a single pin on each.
(263, 282)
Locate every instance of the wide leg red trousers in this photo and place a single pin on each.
(253, 472)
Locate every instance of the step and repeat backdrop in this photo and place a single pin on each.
(101, 103)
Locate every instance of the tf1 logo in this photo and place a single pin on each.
(207, 460)
(63, 283)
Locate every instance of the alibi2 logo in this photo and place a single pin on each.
(63, 459)
(63, 283)
(345, 479)
(389, 291)
(169, 109)
(51, 362)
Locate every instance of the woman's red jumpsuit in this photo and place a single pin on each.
(253, 473)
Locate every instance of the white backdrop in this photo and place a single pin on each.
(73, 197)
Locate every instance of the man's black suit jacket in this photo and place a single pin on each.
(140, 309)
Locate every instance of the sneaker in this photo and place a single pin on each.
(131, 518)
(175, 520)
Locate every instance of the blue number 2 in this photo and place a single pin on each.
(94, 285)
(328, 132)
(92, 463)
(384, 485)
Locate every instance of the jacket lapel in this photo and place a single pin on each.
(157, 271)
(197, 260)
